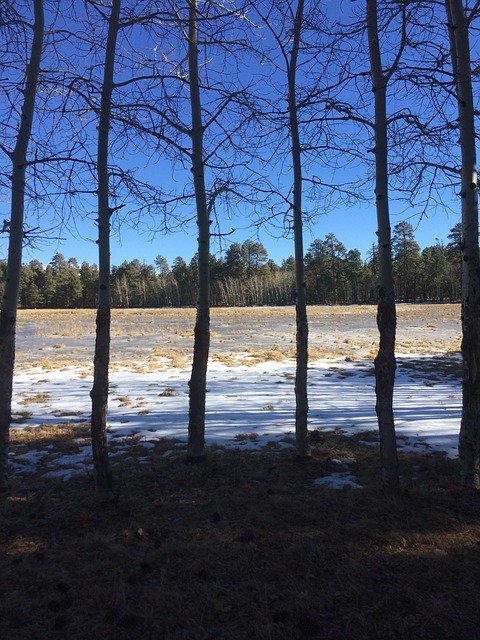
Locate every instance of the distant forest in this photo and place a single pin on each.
(246, 276)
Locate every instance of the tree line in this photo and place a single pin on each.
(246, 276)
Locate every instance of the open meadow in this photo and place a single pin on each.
(253, 544)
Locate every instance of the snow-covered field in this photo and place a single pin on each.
(250, 402)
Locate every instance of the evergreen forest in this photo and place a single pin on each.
(245, 276)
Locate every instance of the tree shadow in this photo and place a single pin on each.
(244, 545)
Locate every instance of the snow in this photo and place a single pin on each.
(65, 474)
(338, 481)
(248, 407)
(25, 462)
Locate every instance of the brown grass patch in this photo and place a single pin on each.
(66, 438)
(63, 413)
(36, 398)
(169, 392)
(174, 357)
(275, 354)
(124, 401)
(243, 546)
(251, 357)
(229, 359)
(59, 362)
(422, 346)
(246, 437)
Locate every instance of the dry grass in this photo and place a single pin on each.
(171, 357)
(169, 392)
(252, 357)
(243, 546)
(231, 359)
(246, 437)
(64, 438)
(36, 398)
(274, 354)
(239, 335)
(59, 362)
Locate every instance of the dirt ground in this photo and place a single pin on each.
(245, 546)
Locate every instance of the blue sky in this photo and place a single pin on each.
(354, 225)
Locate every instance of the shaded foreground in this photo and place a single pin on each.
(246, 546)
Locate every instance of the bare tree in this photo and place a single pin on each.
(198, 378)
(469, 443)
(99, 392)
(96, 99)
(19, 163)
(299, 78)
(190, 118)
(385, 363)
(301, 395)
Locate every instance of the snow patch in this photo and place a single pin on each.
(338, 481)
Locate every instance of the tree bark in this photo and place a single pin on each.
(385, 363)
(8, 313)
(99, 392)
(469, 441)
(301, 394)
(198, 378)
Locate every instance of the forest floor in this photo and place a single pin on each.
(252, 544)
(246, 546)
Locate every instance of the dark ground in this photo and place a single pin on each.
(244, 547)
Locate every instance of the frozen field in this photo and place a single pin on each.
(250, 401)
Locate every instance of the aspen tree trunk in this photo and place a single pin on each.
(99, 392)
(469, 441)
(8, 313)
(385, 363)
(198, 378)
(301, 397)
